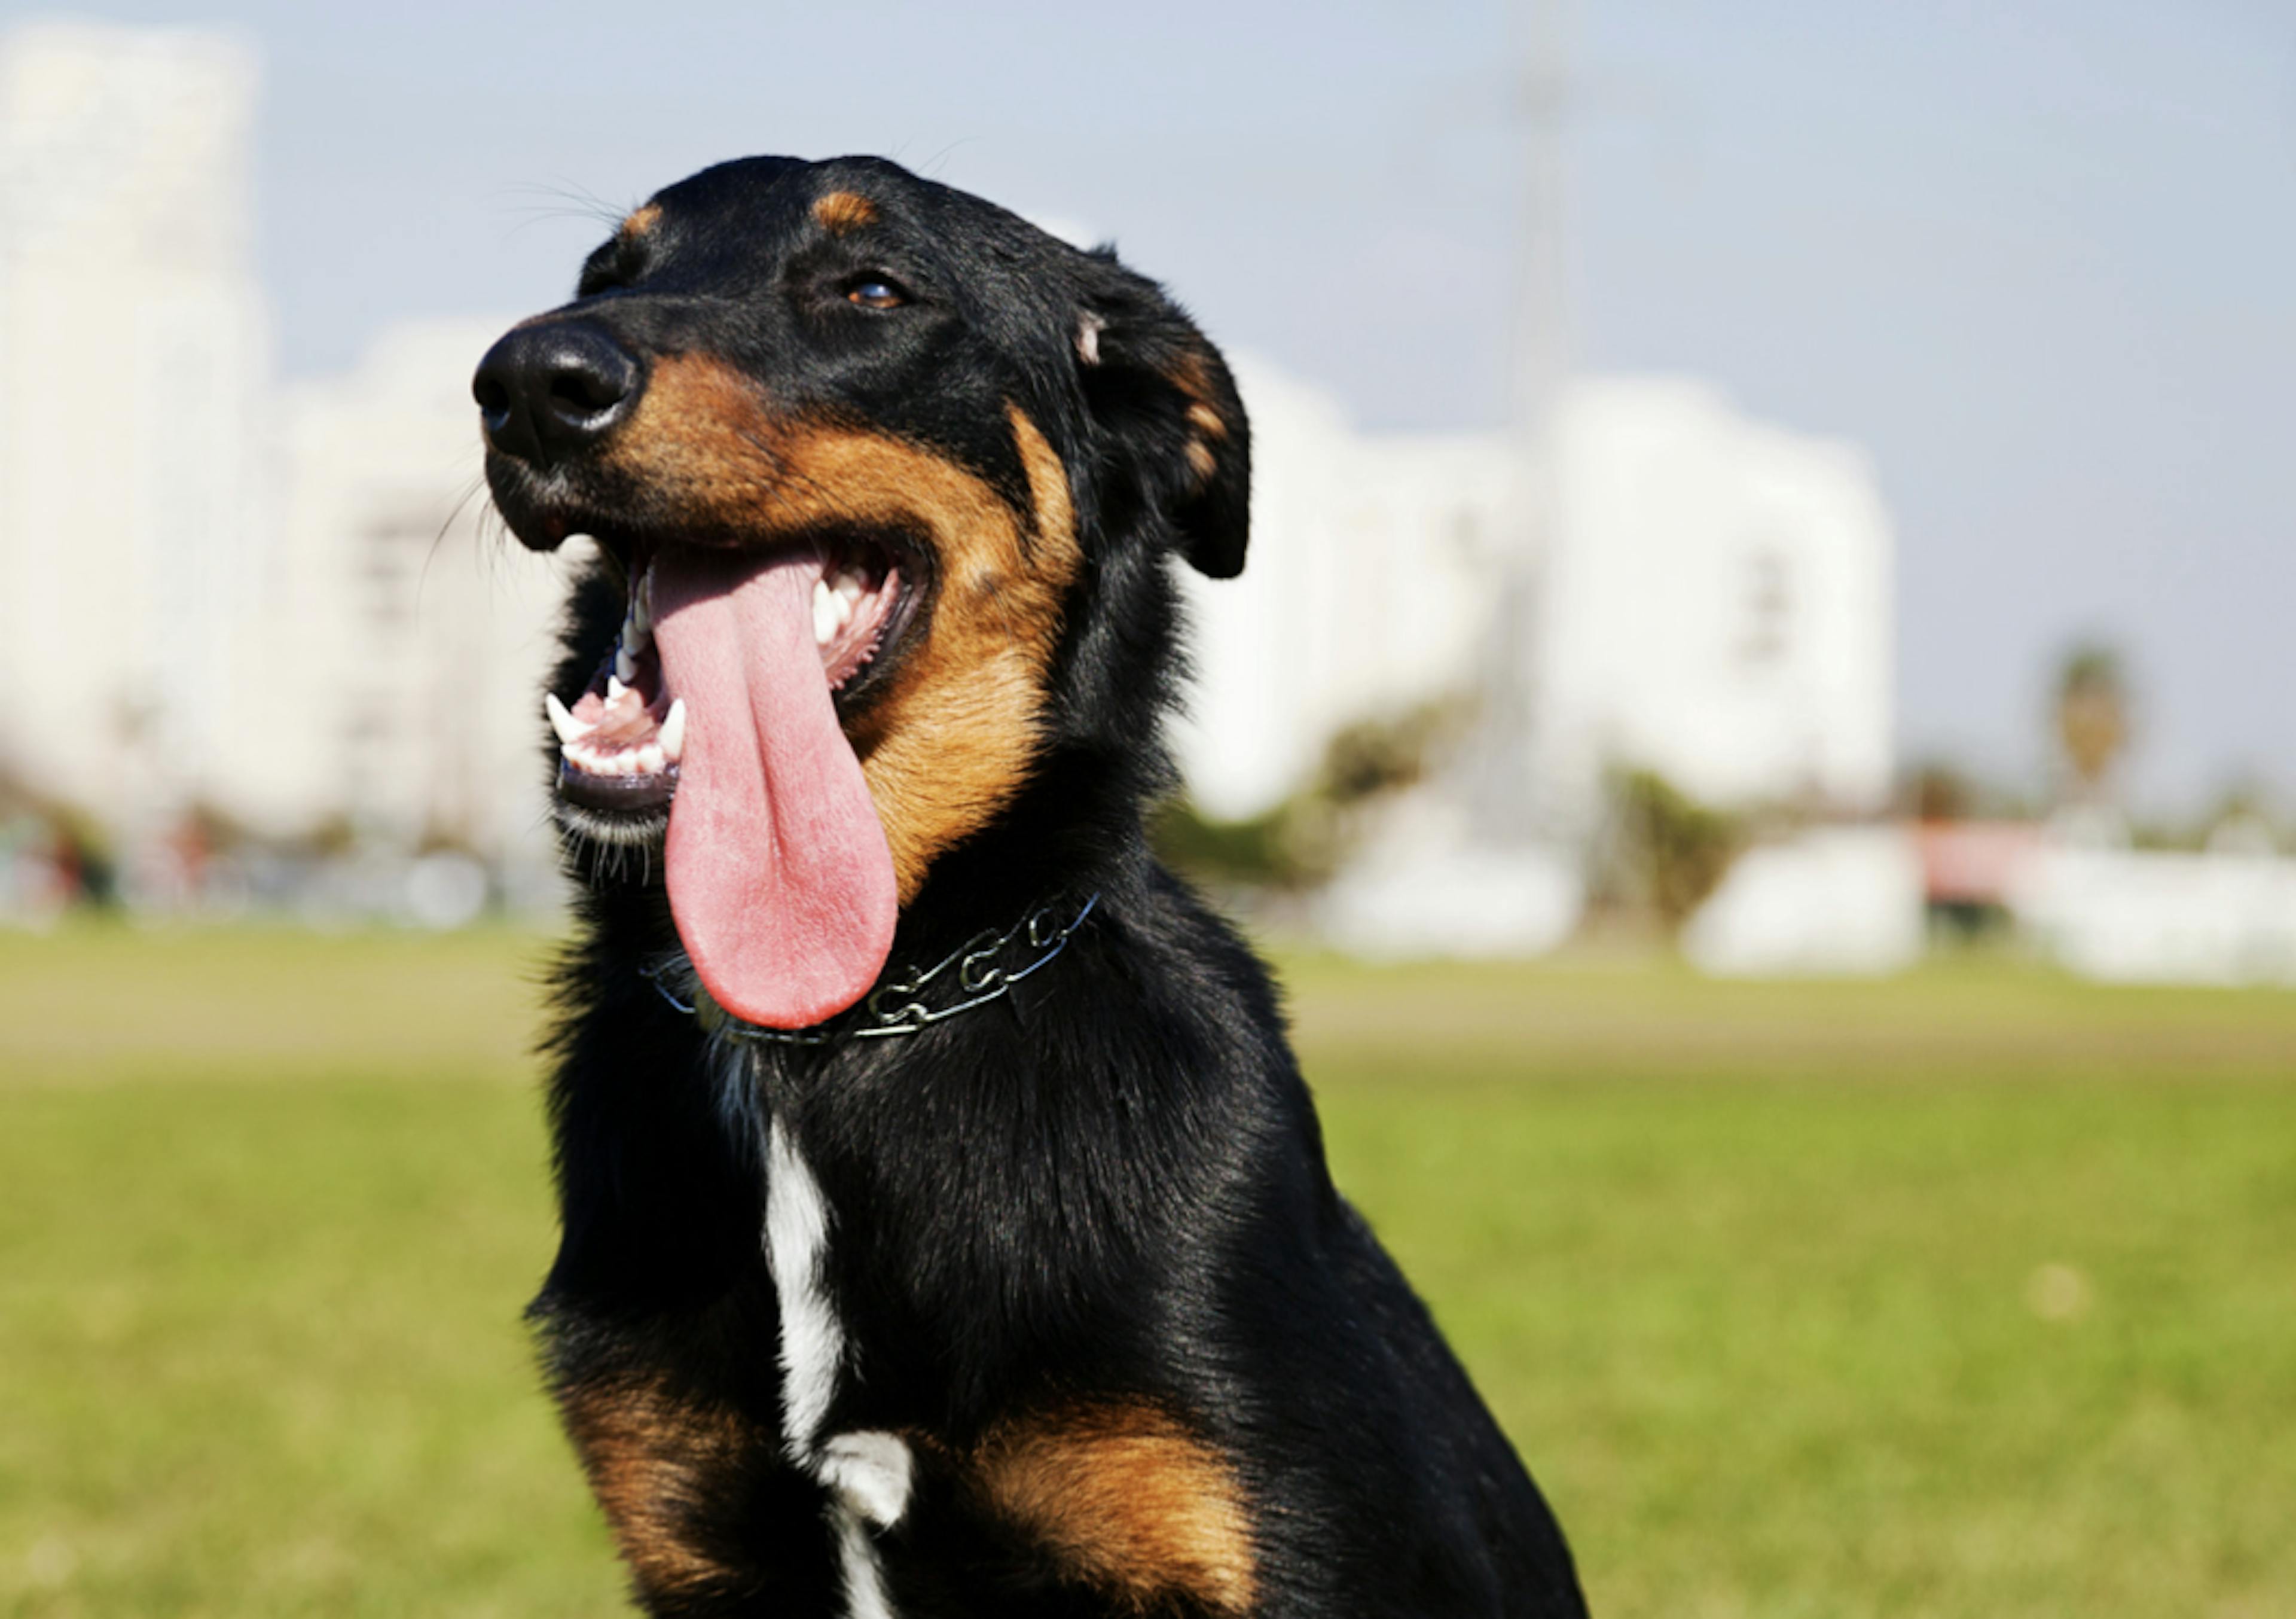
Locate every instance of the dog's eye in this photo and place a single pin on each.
(874, 293)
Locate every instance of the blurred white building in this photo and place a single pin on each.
(1364, 591)
(133, 353)
(279, 603)
(1716, 604)
(1713, 603)
(273, 603)
(404, 643)
(2222, 916)
(1835, 901)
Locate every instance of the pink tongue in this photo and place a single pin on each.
(780, 881)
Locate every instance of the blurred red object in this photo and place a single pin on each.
(1975, 862)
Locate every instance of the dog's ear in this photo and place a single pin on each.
(1162, 396)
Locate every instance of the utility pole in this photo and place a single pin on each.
(1505, 799)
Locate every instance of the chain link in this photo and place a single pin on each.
(902, 1006)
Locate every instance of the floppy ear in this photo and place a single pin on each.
(1162, 394)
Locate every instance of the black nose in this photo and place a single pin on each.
(548, 392)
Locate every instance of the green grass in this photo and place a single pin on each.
(1973, 1294)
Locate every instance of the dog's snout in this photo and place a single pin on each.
(548, 392)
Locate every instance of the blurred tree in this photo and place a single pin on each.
(333, 836)
(1936, 791)
(1667, 850)
(1304, 840)
(2242, 823)
(1247, 853)
(215, 828)
(2092, 714)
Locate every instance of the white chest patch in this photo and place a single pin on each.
(797, 1249)
(866, 1596)
(868, 1473)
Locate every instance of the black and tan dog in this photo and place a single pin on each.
(946, 1227)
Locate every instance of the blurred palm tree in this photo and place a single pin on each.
(2092, 714)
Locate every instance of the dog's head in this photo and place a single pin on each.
(885, 476)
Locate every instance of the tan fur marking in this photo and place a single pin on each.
(1048, 486)
(1129, 1499)
(1191, 376)
(840, 211)
(948, 746)
(642, 221)
(650, 1458)
(696, 442)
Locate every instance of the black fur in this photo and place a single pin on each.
(1111, 1186)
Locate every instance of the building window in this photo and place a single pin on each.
(1767, 610)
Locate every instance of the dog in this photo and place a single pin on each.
(945, 1226)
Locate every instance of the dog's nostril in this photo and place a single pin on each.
(493, 398)
(583, 393)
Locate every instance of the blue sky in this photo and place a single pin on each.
(2039, 259)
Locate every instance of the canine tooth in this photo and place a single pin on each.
(673, 731)
(642, 602)
(626, 667)
(825, 622)
(570, 730)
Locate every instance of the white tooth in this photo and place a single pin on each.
(569, 728)
(651, 759)
(642, 602)
(825, 615)
(614, 688)
(626, 667)
(673, 731)
(849, 587)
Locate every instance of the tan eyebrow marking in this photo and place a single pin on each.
(841, 211)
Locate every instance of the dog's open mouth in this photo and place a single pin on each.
(721, 701)
(621, 742)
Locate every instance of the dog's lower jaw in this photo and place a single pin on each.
(606, 853)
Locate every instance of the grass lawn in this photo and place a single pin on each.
(1970, 1293)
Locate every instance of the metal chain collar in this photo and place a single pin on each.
(900, 1005)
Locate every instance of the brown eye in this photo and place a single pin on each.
(874, 293)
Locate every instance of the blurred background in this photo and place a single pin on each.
(1755, 723)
